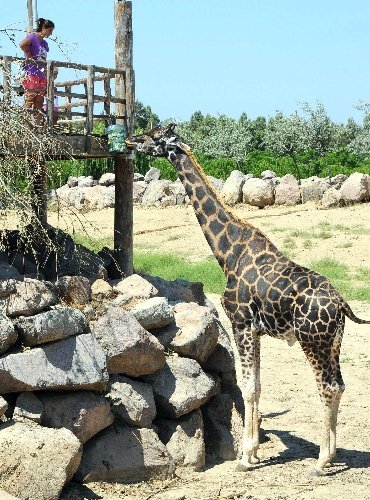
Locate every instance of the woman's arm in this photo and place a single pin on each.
(25, 46)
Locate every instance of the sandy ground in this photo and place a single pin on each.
(289, 403)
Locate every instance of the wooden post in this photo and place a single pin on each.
(50, 93)
(38, 188)
(30, 15)
(123, 163)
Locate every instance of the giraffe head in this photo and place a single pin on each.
(160, 141)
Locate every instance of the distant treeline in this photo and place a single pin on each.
(305, 143)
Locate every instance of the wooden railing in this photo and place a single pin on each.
(77, 110)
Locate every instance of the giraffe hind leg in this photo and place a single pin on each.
(325, 364)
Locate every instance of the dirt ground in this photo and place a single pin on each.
(289, 404)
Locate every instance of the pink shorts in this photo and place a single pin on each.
(33, 82)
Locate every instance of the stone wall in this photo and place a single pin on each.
(109, 380)
(85, 193)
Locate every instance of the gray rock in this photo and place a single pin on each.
(178, 190)
(180, 387)
(287, 192)
(133, 288)
(194, 334)
(36, 462)
(7, 287)
(130, 349)
(138, 177)
(107, 179)
(332, 198)
(86, 181)
(139, 188)
(73, 363)
(356, 188)
(232, 190)
(222, 357)
(72, 181)
(223, 428)
(258, 192)
(8, 335)
(313, 190)
(125, 454)
(132, 401)
(216, 183)
(3, 407)
(268, 174)
(101, 290)
(178, 290)
(338, 180)
(8, 271)
(28, 407)
(153, 174)
(32, 296)
(184, 439)
(49, 326)
(158, 193)
(74, 290)
(107, 198)
(84, 413)
(153, 313)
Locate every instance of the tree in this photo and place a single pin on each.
(145, 119)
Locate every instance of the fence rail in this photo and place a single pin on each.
(80, 92)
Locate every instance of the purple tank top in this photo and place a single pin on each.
(38, 49)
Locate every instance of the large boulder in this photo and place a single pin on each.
(194, 334)
(36, 462)
(49, 326)
(223, 425)
(184, 439)
(84, 413)
(73, 363)
(287, 192)
(134, 288)
(181, 386)
(332, 198)
(258, 192)
(125, 454)
(153, 313)
(28, 407)
(232, 190)
(132, 401)
(31, 296)
(8, 335)
(131, 350)
(312, 189)
(158, 193)
(178, 290)
(356, 188)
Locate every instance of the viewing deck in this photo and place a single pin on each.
(89, 99)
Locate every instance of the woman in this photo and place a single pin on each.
(36, 47)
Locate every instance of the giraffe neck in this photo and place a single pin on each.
(222, 230)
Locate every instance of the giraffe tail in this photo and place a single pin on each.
(351, 315)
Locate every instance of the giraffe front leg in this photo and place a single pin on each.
(249, 352)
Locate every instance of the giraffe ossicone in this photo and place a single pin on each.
(266, 293)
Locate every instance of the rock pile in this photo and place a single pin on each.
(85, 193)
(110, 380)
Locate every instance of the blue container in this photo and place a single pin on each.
(116, 138)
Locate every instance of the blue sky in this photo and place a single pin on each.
(223, 57)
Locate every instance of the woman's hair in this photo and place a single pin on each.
(44, 23)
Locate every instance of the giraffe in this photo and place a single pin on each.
(266, 293)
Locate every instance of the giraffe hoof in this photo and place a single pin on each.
(244, 467)
(316, 473)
